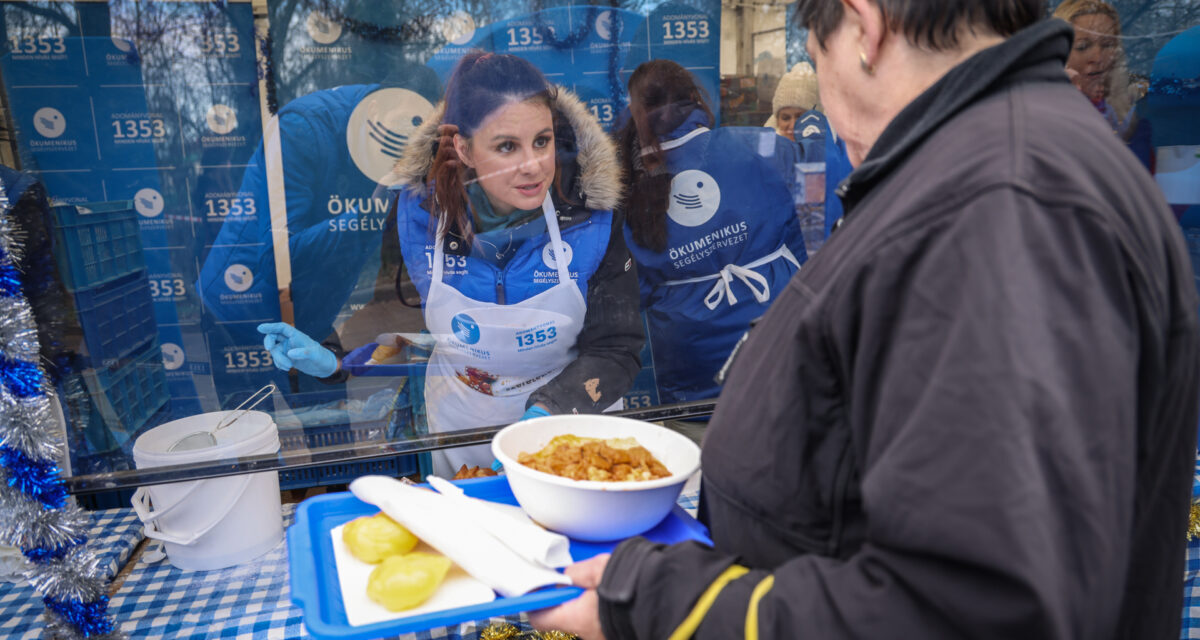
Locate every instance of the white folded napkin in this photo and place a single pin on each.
(442, 523)
(511, 526)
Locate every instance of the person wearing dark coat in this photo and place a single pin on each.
(973, 413)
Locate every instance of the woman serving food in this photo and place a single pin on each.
(503, 205)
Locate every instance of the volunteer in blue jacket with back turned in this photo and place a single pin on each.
(336, 145)
(503, 204)
(796, 115)
(711, 221)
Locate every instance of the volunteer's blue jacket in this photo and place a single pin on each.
(732, 202)
(611, 337)
(335, 222)
(821, 144)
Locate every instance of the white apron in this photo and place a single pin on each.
(490, 357)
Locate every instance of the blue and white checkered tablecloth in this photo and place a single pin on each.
(113, 536)
(1190, 628)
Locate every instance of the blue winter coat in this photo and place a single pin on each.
(335, 222)
(732, 202)
(821, 144)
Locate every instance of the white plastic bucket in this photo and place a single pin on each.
(218, 522)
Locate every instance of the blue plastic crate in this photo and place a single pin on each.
(117, 319)
(123, 399)
(96, 242)
(341, 473)
(331, 435)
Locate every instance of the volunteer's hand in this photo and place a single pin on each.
(289, 348)
(580, 616)
(536, 411)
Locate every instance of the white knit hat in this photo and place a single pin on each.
(797, 88)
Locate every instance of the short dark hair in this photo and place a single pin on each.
(930, 24)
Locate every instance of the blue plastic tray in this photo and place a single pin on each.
(313, 571)
(356, 363)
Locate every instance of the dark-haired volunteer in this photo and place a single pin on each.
(503, 203)
(712, 225)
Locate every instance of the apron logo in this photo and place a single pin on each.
(381, 126)
(628, 264)
(465, 328)
(695, 197)
(548, 255)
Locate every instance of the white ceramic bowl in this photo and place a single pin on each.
(588, 509)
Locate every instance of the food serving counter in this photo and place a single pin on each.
(151, 598)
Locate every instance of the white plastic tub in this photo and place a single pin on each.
(218, 522)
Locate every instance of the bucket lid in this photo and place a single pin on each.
(248, 434)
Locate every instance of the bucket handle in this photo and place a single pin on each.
(149, 518)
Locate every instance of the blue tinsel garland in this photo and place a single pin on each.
(10, 278)
(42, 555)
(22, 379)
(91, 618)
(36, 478)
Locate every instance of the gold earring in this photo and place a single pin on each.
(866, 66)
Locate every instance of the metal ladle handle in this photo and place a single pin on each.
(233, 416)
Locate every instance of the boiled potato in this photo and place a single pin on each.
(405, 581)
(373, 538)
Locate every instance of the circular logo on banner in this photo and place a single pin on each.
(548, 255)
(172, 356)
(49, 122)
(465, 328)
(458, 27)
(604, 25)
(125, 45)
(148, 202)
(221, 119)
(695, 197)
(380, 128)
(238, 278)
(323, 30)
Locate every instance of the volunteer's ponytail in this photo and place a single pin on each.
(447, 178)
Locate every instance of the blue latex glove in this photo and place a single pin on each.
(534, 412)
(289, 348)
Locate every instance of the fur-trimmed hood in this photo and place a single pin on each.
(597, 179)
